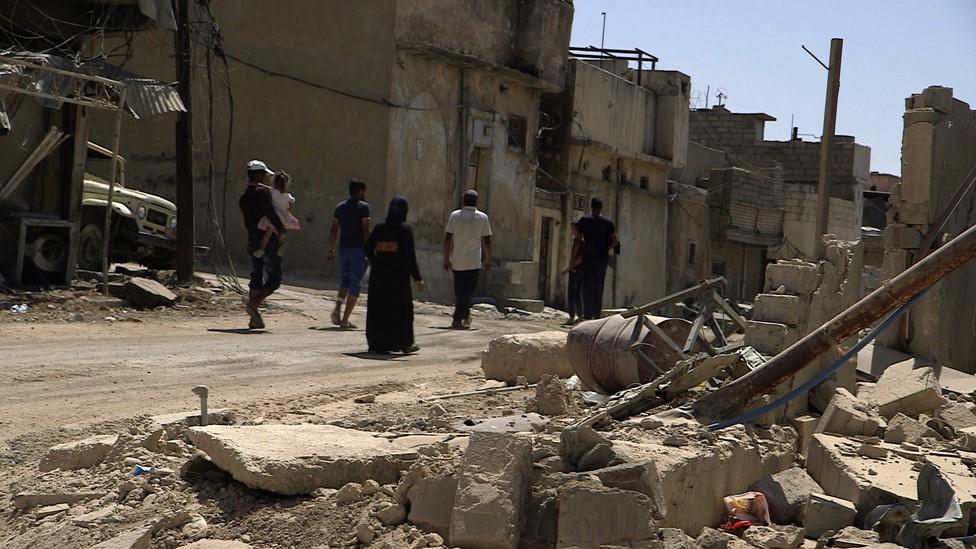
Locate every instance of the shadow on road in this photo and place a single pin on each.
(242, 331)
(375, 356)
(333, 329)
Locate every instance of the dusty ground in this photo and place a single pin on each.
(63, 379)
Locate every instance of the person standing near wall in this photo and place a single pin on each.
(574, 301)
(467, 235)
(256, 204)
(351, 225)
(599, 239)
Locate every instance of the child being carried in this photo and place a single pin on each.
(283, 202)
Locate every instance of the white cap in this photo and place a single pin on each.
(256, 165)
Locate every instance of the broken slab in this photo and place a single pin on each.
(769, 338)
(594, 516)
(552, 398)
(786, 493)
(432, 502)
(695, 478)
(50, 510)
(147, 293)
(780, 308)
(520, 423)
(527, 355)
(846, 415)
(492, 486)
(805, 427)
(297, 459)
(911, 391)
(902, 428)
(641, 477)
(833, 462)
(26, 500)
(132, 539)
(958, 415)
(80, 454)
(825, 514)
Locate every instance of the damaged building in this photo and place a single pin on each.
(442, 97)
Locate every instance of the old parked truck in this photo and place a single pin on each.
(143, 224)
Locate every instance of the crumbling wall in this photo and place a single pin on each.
(689, 241)
(799, 297)
(800, 221)
(938, 150)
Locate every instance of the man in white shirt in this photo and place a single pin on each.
(468, 233)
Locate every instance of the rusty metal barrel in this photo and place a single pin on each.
(600, 350)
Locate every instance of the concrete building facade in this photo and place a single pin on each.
(609, 137)
(938, 151)
(417, 97)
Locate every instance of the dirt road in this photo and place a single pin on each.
(72, 374)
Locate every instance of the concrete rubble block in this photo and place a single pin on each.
(528, 305)
(96, 517)
(175, 425)
(867, 483)
(267, 456)
(822, 394)
(799, 277)
(80, 454)
(674, 538)
(902, 428)
(595, 516)
(49, 510)
(144, 292)
(825, 513)
(786, 493)
(854, 534)
(431, 503)
(781, 308)
(491, 493)
(527, 355)
(958, 415)
(805, 427)
(710, 538)
(967, 438)
(576, 443)
(552, 398)
(911, 391)
(641, 477)
(27, 500)
(769, 338)
(695, 478)
(521, 423)
(132, 539)
(216, 544)
(846, 415)
(774, 537)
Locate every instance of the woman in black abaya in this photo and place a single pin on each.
(393, 262)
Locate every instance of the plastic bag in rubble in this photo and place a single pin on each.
(750, 506)
(938, 510)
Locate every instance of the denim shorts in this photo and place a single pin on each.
(352, 268)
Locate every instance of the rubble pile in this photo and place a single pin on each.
(530, 465)
(134, 296)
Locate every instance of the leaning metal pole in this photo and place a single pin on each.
(735, 397)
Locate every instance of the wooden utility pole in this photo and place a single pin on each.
(184, 147)
(826, 145)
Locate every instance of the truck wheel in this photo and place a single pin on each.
(90, 248)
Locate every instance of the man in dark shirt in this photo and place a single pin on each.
(256, 203)
(599, 236)
(351, 224)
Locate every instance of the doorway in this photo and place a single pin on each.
(545, 239)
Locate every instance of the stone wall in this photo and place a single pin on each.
(938, 150)
(799, 297)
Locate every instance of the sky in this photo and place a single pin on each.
(750, 51)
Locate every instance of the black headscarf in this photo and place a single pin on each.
(398, 211)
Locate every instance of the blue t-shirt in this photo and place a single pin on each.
(350, 214)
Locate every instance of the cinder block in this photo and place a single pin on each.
(799, 277)
(492, 491)
(805, 427)
(769, 338)
(845, 415)
(594, 516)
(784, 309)
(911, 391)
(825, 513)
